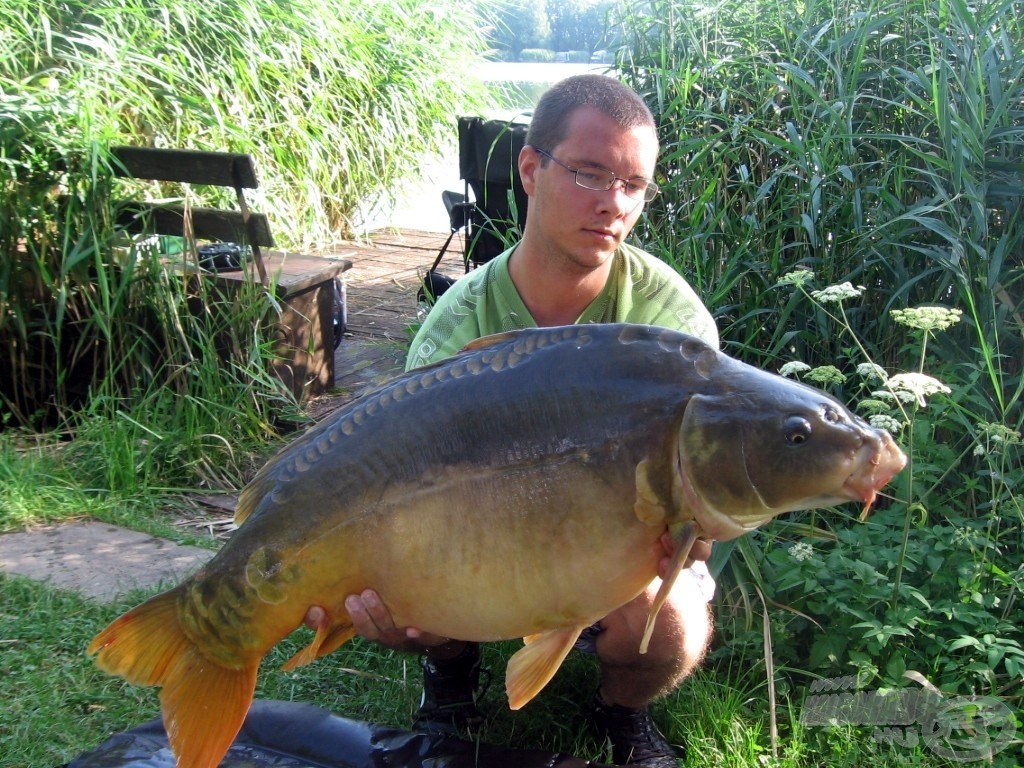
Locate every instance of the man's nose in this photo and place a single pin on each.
(615, 197)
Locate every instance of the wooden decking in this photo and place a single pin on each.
(381, 298)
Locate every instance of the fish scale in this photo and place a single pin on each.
(519, 489)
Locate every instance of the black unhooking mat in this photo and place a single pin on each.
(282, 734)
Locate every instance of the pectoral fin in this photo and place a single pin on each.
(533, 665)
(683, 540)
(325, 641)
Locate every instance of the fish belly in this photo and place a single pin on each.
(495, 554)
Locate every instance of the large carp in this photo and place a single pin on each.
(519, 489)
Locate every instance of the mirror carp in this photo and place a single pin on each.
(518, 489)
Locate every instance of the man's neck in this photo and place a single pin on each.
(555, 292)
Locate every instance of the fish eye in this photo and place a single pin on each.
(797, 430)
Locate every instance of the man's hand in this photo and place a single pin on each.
(372, 620)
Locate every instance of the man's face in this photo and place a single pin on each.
(585, 226)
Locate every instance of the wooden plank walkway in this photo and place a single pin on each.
(381, 300)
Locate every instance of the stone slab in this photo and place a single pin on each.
(99, 560)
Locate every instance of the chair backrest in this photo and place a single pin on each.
(224, 169)
(489, 164)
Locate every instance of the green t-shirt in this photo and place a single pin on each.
(640, 289)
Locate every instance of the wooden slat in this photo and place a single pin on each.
(207, 223)
(292, 273)
(225, 169)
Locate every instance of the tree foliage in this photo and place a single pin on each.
(337, 101)
(572, 25)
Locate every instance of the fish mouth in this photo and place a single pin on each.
(875, 473)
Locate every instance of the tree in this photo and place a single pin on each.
(519, 25)
(579, 25)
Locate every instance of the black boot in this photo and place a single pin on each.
(635, 738)
(450, 690)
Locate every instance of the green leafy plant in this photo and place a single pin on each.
(925, 587)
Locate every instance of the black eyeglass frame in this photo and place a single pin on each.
(650, 190)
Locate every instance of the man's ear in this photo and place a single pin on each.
(529, 162)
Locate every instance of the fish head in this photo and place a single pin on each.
(764, 445)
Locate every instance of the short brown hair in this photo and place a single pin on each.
(550, 121)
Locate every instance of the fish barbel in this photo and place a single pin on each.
(518, 489)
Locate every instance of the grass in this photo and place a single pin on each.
(45, 481)
(53, 702)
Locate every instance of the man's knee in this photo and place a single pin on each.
(681, 634)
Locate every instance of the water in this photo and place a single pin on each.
(418, 204)
(523, 83)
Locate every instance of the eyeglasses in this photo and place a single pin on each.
(601, 180)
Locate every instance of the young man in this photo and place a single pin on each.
(587, 169)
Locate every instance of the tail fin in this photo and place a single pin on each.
(204, 704)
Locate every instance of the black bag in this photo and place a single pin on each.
(223, 257)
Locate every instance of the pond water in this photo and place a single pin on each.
(418, 205)
(523, 83)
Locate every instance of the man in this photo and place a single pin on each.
(587, 169)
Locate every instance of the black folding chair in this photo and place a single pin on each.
(491, 212)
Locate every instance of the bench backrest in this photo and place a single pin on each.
(223, 169)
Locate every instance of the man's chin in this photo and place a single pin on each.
(593, 256)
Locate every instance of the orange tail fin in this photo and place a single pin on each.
(204, 703)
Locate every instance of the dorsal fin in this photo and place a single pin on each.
(488, 341)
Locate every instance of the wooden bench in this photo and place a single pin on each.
(307, 287)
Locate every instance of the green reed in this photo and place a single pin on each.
(336, 101)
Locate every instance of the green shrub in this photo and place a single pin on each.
(336, 100)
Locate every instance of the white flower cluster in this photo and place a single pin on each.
(801, 551)
(837, 293)
(797, 277)
(872, 372)
(826, 374)
(929, 318)
(794, 368)
(1000, 433)
(995, 437)
(916, 386)
(884, 421)
(823, 374)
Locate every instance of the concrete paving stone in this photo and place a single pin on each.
(99, 560)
